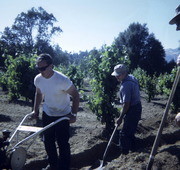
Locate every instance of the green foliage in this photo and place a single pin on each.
(104, 85)
(146, 82)
(141, 75)
(165, 82)
(164, 86)
(19, 77)
(150, 87)
(2, 81)
(153, 85)
(75, 74)
(84, 97)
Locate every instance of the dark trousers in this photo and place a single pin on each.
(59, 133)
(127, 134)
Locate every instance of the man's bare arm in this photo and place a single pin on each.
(75, 98)
(37, 101)
(125, 109)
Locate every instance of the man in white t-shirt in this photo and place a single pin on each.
(55, 89)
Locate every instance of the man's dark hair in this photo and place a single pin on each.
(45, 57)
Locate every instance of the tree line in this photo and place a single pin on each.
(31, 34)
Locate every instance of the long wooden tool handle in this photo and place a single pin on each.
(110, 141)
(158, 136)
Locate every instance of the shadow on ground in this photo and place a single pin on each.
(4, 118)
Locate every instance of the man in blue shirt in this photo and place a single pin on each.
(131, 110)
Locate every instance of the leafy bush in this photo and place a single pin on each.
(146, 82)
(3, 82)
(141, 75)
(164, 86)
(165, 82)
(74, 73)
(19, 77)
(104, 86)
(150, 87)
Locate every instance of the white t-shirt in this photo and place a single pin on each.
(56, 100)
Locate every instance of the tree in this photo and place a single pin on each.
(154, 57)
(31, 33)
(134, 39)
(60, 57)
(104, 85)
(142, 48)
(8, 42)
(170, 65)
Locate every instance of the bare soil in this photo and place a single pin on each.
(88, 144)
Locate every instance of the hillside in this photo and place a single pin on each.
(88, 144)
(172, 54)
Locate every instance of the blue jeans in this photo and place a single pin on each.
(59, 133)
(127, 134)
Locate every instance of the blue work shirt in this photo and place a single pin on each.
(129, 90)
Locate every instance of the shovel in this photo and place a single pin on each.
(107, 147)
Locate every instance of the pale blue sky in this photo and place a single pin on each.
(92, 23)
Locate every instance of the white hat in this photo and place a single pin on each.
(119, 69)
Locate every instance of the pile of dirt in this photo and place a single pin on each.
(88, 144)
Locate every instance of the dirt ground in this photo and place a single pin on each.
(88, 144)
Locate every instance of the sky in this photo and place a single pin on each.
(88, 24)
